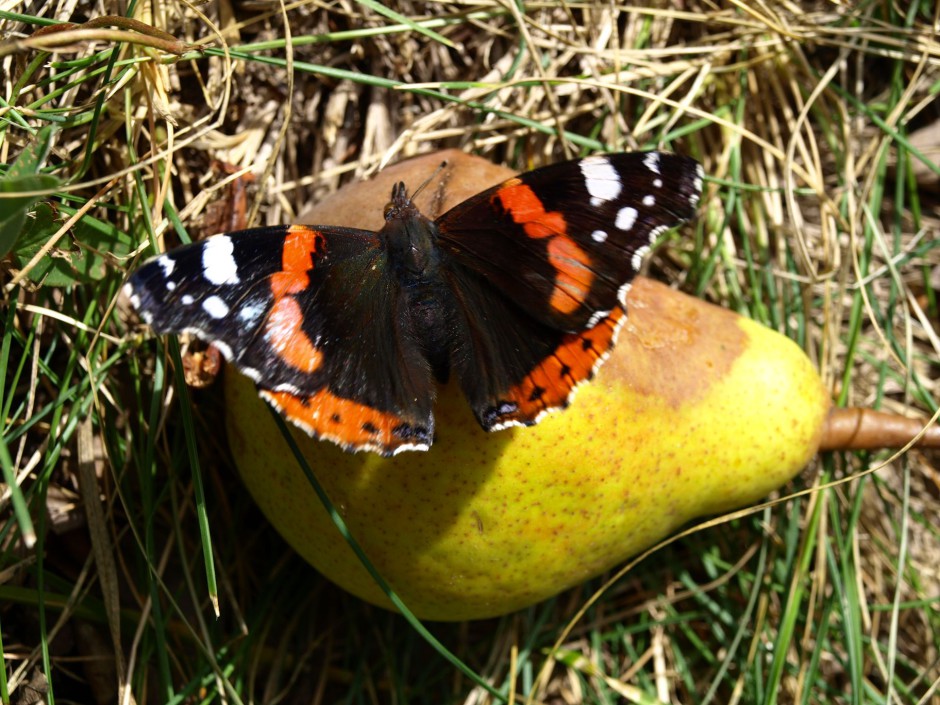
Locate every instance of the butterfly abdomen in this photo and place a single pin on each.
(414, 261)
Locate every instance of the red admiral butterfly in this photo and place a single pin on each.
(518, 291)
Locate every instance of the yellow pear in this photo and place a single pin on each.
(697, 411)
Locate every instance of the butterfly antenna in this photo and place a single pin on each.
(428, 180)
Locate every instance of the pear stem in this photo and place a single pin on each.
(866, 429)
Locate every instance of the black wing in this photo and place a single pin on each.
(310, 314)
(540, 266)
(512, 367)
(564, 241)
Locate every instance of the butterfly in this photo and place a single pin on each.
(519, 292)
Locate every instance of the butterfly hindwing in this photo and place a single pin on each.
(312, 316)
(512, 367)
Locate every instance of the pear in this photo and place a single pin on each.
(697, 411)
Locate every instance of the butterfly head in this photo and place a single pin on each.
(400, 205)
(409, 237)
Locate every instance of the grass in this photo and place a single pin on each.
(132, 555)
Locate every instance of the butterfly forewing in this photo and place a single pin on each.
(563, 241)
(286, 305)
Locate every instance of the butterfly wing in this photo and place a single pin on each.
(312, 316)
(540, 266)
(512, 367)
(564, 241)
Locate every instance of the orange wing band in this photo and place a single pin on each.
(283, 329)
(551, 384)
(352, 426)
(573, 274)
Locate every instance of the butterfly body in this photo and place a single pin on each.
(518, 292)
(414, 261)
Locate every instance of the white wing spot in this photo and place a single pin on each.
(223, 348)
(167, 264)
(186, 300)
(218, 265)
(658, 183)
(215, 307)
(598, 236)
(638, 257)
(596, 318)
(170, 286)
(626, 217)
(697, 184)
(601, 179)
(656, 232)
(622, 295)
(291, 389)
(651, 161)
(649, 201)
(250, 313)
(131, 295)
